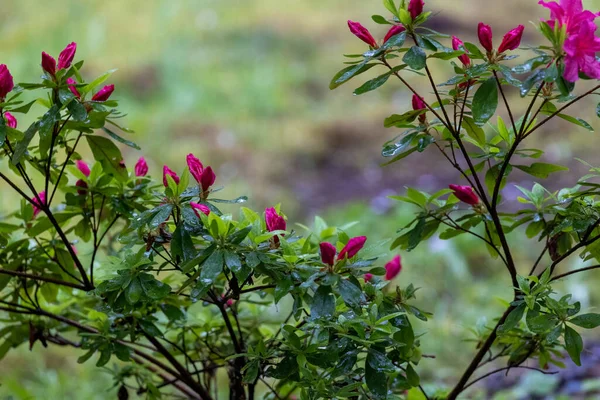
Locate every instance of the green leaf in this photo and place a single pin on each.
(104, 358)
(283, 288)
(403, 120)
(352, 294)
(485, 101)
(133, 291)
(3, 130)
(376, 379)
(391, 7)
(154, 288)
(323, 305)
(587, 321)
(238, 236)
(182, 245)
(348, 73)
(415, 58)
(23, 144)
(378, 19)
(120, 139)
(541, 170)
(573, 344)
(474, 131)
(212, 268)
(412, 376)
(109, 156)
(97, 82)
(373, 84)
(513, 318)
(542, 323)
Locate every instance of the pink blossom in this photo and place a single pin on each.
(207, 179)
(195, 166)
(415, 8)
(6, 81)
(11, 121)
(569, 13)
(274, 221)
(394, 30)
(168, 172)
(199, 207)
(83, 167)
(419, 104)
(362, 33)
(82, 187)
(328, 252)
(368, 277)
(104, 93)
(458, 44)
(37, 205)
(512, 39)
(141, 168)
(71, 85)
(393, 268)
(484, 32)
(66, 56)
(581, 48)
(465, 194)
(48, 63)
(353, 246)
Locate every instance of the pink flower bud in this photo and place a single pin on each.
(328, 252)
(141, 168)
(6, 81)
(195, 166)
(71, 85)
(415, 8)
(104, 93)
(393, 268)
(275, 222)
(207, 179)
(362, 33)
(48, 63)
(368, 277)
(419, 104)
(465, 194)
(456, 45)
(199, 207)
(83, 167)
(82, 191)
(354, 245)
(65, 57)
(230, 302)
(169, 172)
(512, 39)
(396, 29)
(484, 32)
(11, 121)
(37, 205)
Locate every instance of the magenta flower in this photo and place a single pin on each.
(11, 121)
(569, 13)
(195, 166)
(368, 277)
(274, 221)
(415, 8)
(328, 252)
(65, 57)
(458, 44)
(581, 48)
(104, 93)
(37, 205)
(512, 39)
(71, 85)
(48, 63)
(465, 194)
(394, 30)
(82, 187)
(484, 32)
(199, 207)
(168, 172)
(362, 33)
(419, 104)
(83, 167)
(353, 246)
(141, 168)
(393, 268)
(207, 179)
(6, 81)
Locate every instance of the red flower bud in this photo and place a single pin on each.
(328, 252)
(419, 104)
(83, 167)
(362, 33)
(393, 268)
(415, 8)
(48, 63)
(207, 179)
(484, 32)
(456, 45)
(368, 277)
(199, 207)
(396, 29)
(141, 168)
(169, 172)
(465, 194)
(275, 222)
(104, 93)
(195, 166)
(512, 39)
(65, 57)
(37, 205)
(6, 81)
(354, 245)
(11, 121)
(82, 191)
(71, 85)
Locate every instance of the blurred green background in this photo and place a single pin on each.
(244, 86)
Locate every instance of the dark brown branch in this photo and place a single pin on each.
(576, 271)
(506, 369)
(41, 278)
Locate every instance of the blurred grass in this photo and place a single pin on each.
(243, 84)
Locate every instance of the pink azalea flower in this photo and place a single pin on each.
(37, 205)
(169, 172)
(199, 207)
(368, 277)
(353, 247)
(394, 30)
(6, 81)
(362, 33)
(458, 44)
(11, 121)
(83, 167)
(569, 13)
(465, 194)
(328, 252)
(393, 268)
(275, 222)
(71, 83)
(141, 167)
(581, 48)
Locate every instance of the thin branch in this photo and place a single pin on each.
(62, 171)
(508, 368)
(41, 278)
(576, 271)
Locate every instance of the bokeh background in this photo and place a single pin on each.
(244, 85)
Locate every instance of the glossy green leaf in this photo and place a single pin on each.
(415, 58)
(573, 344)
(485, 102)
